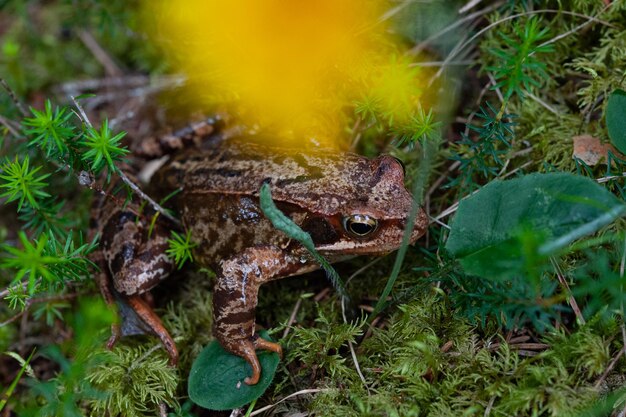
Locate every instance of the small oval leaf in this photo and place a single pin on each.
(616, 119)
(510, 226)
(216, 377)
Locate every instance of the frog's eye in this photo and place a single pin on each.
(401, 164)
(360, 225)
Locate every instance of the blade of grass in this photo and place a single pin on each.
(288, 227)
(9, 391)
(429, 148)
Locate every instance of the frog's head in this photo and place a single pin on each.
(373, 217)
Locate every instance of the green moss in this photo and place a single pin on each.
(409, 373)
(134, 380)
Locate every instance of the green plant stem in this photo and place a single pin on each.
(429, 148)
(250, 408)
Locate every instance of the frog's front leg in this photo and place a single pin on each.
(235, 300)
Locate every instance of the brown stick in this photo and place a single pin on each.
(13, 96)
(110, 67)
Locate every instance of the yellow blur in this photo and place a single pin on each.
(294, 67)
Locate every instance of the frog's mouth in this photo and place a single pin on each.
(387, 240)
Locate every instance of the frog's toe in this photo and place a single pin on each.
(115, 336)
(248, 353)
(261, 343)
(172, 352)
(254, 379)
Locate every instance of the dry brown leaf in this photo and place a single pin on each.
(591, 151)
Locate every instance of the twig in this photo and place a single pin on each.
(236, 412)
(394, 11)
(127, 180)
(363, 269)
(110, 67)
(570, 298)
(13, 96)
(352, 352)
(147, 198)
(469, 5)
(439, 63)
(569, 32)
(292, 317)
(497, 89)
(610, 367)
(602, 180)
(543, 103)
(454, 52)
(420, 46)
(519, 168)
(295, 394)
(454, 207)
(9, 125)
(125, 82)
(439, 222)
(462, 42)
(530, 346)
(16, 316)
(30, 302)
(6, 292)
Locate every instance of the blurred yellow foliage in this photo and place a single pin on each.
(293, 66)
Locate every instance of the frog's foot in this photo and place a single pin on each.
(145, 312)
(245, 348)
(260, 343)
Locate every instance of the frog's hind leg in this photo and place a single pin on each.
(235, 300)
(137, 261)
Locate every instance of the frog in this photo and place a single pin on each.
(349, 204)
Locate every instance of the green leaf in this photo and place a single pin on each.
(616, 119)
(216, 377)
(510, 227)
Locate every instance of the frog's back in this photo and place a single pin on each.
(322, 181)
(219, 201)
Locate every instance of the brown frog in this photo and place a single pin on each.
(350, 205)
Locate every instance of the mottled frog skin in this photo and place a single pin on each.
(350, 205)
